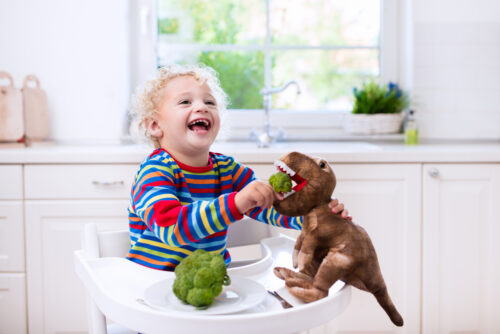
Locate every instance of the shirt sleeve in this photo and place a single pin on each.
(156, 201)
(242, 176)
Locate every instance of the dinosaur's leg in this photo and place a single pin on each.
(333, 267)
(290, 275)
(302, 278)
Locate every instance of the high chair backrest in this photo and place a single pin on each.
(105, 243)
(117, 243)
(247, 232)
(114, 243)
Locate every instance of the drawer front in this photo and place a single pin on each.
(13, 304)
(79, 181)
(11, 182)
(11, 237)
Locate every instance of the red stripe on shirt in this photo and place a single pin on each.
(245, 179)
(167, 212)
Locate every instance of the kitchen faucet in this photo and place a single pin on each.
(266, 137)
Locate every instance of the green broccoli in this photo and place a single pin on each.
(199, 278)
(281, 182)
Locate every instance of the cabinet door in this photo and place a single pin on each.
(12, 303)
(56, 298)
(385, 199)
(461, 252)
(11, 236)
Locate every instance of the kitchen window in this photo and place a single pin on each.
(327, 46)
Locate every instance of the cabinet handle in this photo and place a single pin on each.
(108, 184)
(433, 172)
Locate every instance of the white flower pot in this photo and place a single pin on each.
(373, 124)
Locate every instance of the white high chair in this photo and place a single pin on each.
(115, 287)
(103, 244)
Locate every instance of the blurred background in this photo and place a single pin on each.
(91, 56)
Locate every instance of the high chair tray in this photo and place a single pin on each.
(118, 286)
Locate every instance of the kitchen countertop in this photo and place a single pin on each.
(247, 152)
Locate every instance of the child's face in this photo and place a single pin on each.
(188, 119)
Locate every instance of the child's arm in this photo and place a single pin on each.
(159, 204)
(244, 181)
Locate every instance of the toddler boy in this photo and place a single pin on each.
(184, 197)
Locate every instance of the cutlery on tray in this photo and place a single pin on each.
(283, 302)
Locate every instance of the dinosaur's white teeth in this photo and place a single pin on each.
(281, 165)
(288, 194)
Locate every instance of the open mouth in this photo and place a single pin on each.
(298, 182)
(200, 124)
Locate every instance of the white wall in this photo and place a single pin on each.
(456, 69)
(80, 52)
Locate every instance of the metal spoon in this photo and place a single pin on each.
(283, 302)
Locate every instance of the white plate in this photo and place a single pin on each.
(242, 294)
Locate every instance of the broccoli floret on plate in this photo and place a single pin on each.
(281, 182)
(199, 278)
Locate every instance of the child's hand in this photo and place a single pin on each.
(338, 208)
(256, 194)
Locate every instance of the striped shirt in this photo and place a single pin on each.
(176, 209)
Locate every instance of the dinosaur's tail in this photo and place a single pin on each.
(385, 301)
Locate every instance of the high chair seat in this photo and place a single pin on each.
(116, 289)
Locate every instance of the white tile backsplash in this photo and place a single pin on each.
(456, 84)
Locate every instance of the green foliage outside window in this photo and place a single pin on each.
(241, 73)
(168, 25)
(326, 75)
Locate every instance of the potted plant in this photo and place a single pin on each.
(377, 109)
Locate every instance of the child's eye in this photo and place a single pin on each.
(184, 102)
(210, 103)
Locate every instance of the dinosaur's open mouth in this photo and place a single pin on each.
(298, 181)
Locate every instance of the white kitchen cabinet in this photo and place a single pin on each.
(79, 181)
(385, 199)
(12, 275)
(59, 201)
(434, 227)
(11, 236)
(12, 303)
(56, 298)
(461, 253)
(11, 182)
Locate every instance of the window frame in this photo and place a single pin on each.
(395, 41)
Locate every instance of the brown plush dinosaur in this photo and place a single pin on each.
(329, 248)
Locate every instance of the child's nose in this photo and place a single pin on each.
(200, 106)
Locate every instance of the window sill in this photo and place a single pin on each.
(237, 125)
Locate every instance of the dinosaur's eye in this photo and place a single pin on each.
(322, 164)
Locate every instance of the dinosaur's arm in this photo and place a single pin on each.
(296, 250)
(306, 252)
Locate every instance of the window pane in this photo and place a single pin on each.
(326, 77)
(211, 22)
(325, 22)
(241, 73)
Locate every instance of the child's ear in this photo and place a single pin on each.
(154, 128)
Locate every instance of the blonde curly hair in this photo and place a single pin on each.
(146, 100)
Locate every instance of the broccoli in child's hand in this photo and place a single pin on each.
(281, 182)
(199, 278)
